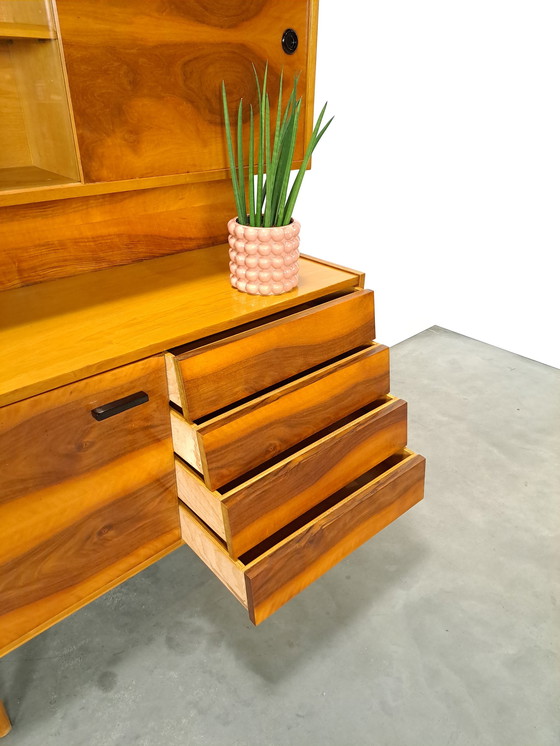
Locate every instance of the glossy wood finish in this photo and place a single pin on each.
(84, 504)
(214, 375)
(145, 79)
(5, 725)
(264, 502)
(229, 445)
(83, 325)
(47, 241)
(286, 566)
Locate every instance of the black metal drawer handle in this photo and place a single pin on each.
(119, 405)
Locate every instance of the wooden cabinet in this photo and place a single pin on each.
(150, 404)
(37, 145)
(85, 502)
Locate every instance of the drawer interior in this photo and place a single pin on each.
(249, 508)
(267, 576)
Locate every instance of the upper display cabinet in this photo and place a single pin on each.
(37, 146)
(145, 77)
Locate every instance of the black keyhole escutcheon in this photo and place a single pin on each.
(290, 41)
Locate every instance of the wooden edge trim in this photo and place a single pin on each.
(186, 440)
(53, 14)
(205, 503)
(311, 64)
(361, 276)
(212, 553)
(26, 196)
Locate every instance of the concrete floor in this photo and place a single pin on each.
(441, 631)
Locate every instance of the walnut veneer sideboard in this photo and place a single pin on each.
(144, 403)
(152, 404)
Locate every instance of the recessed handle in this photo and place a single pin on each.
(119, 405)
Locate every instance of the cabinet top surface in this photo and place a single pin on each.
(60, 331)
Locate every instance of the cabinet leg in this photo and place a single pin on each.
(5, 725)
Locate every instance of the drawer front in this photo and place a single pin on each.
(85, 502)
(243, 438)
(248, 513)
(271, 575)
(208, 378)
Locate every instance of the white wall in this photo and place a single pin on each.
(443, 164)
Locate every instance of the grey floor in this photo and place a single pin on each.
(441, 631)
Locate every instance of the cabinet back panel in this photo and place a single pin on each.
(49, 240)
(145, 78)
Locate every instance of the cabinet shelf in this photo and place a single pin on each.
(28, 177)
(9, 30)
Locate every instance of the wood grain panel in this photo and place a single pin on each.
(318, 541)
(145, 78)
(82, 325)
(49, 240)
(84, 503)
(254, 509)
(230, 369)
(233, 443)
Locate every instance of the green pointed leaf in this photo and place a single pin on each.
(231, 158)
(251, 168)
(240, 164)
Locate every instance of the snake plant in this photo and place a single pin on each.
(266, 201)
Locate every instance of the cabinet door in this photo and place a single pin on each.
(145, 77)
(88, 494)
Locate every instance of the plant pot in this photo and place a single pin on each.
(263, 261)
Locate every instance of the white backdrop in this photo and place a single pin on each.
(440, 175)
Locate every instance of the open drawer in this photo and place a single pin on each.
(241, 438)
(275, 571)
(207, 376)
(247, 511)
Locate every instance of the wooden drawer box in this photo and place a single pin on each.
(269, 576)
(84, 502)
(248, 511)
(230, 367)
(230, 444)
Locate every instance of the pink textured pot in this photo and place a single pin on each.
(263, 261)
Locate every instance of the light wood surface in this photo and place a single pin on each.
(231, 368)
(22, 177)
(57, 332)
(145, 79)
(36, 12)
(213, 554)
(232, 443)
(36, 134)
(317, 542)
(83, 502)
(47, 241)
(14, 150)
(10, 30)
(256, 508)
(5, 724)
